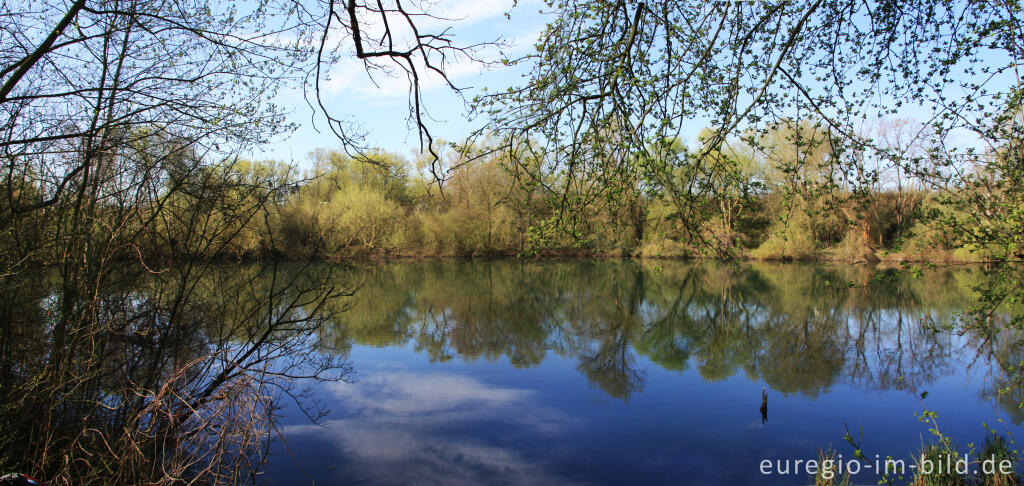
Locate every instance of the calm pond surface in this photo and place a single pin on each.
(509, 372)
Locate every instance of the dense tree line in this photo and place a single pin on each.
(781, 201)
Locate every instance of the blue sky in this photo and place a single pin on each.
(380, 106)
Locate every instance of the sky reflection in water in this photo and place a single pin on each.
(635, 373)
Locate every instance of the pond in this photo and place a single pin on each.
(623, 372)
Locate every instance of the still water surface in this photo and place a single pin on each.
(508, 372)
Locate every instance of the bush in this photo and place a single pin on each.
(790, 239)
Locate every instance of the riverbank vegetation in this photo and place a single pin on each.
(783, 201)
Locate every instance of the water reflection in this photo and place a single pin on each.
(390, 433)
(134, 377)
(799, 328)
(511, 372)
(494, 371)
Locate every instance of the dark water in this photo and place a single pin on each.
(510, 372)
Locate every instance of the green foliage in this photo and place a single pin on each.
(931, 468)
(997, 449)
(829, 476)
(790, 238)
(773, 200)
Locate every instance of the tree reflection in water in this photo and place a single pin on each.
(179, 374)
(800, 328)
(161, 377)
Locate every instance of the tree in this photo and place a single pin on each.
(122, 122)
(656, 67)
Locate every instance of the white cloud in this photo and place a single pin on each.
(394, 432)
(388, 453)
(466, 12)
(350, 77)
(471, 22)
(401, 393)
